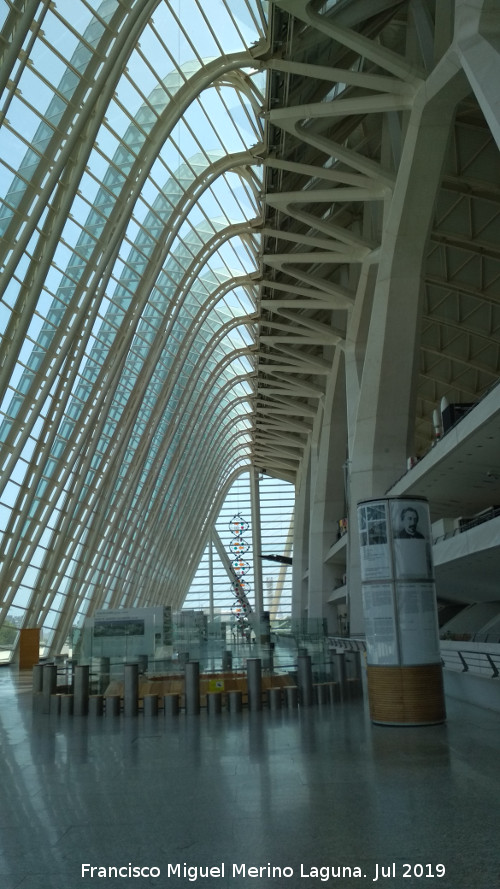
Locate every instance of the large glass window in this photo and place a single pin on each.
(125, 300)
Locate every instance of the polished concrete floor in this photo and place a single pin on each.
(322, 788)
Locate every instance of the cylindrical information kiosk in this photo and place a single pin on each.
(404, 672)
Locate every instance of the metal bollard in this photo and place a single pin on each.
(81, 691)
(131, 690)
(274, 698)
(55, 705)
(235, 701)
(96, 705)
(214, 702)
(102, 665)
(322, 693)
(192, 687)
(292, 696)
(171, 705)
(67, 705)
(150, 705)
(341, 674)
(38, 702)
(254, 683)
(112, 705)
(49, 686)
(304, 675)
(334, 692)
(37, 679)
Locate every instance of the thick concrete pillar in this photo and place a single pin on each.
(327, 503)
(382, 426)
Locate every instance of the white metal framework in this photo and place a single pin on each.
(234, 234)
(128, 315)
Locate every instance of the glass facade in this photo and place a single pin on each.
(276, 527)
(129, 250)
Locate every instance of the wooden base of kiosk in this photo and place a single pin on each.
(406, 695)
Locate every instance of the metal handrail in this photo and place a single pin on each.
(474, 662)
(471, 661)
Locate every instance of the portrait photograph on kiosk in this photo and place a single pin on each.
(411, 539)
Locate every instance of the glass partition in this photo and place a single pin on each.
(162, 643)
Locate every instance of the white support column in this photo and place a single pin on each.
(210, 577)
(256, 541)
(327, 494)
(301, 540)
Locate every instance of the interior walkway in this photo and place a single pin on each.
(319, 788)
